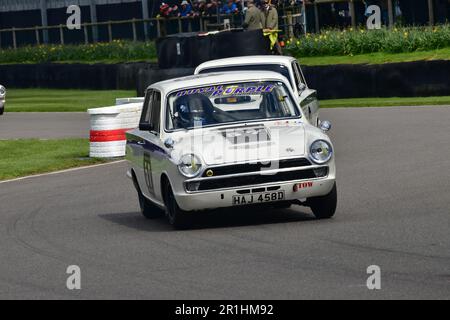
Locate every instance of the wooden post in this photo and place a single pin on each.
(180, 26)
(44, 20)
(158, 27)
(352, 13)
(134, 30)
(391, 14)
(316, 16)
(290, 26)
(189, 25)
(93, 11)
(110, 31)
(201, 23)
(145, 16)
(14, 38)
(431, 12)
(285, 25)
(61, 33)
(36, 31)
(86, 35)
(305, 26)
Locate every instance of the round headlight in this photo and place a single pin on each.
(320, 151)
(190, 165)
(2, 91)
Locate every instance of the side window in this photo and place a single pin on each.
(146, 110)
(300, 73)
(298, 81)
(156, 110)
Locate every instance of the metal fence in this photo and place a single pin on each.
(139, 29)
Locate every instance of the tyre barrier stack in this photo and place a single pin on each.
(108, 128)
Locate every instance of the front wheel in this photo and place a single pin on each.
(324, 207)
(148, 209)
(177, 217)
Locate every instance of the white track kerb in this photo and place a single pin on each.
(109, 124)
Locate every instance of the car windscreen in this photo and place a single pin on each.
(278, 68)
(227, 103)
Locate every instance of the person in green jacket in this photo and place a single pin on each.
(271, 16)
(271, 23)
(253, 17)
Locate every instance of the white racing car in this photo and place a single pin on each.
(284, 65)
(228, 139)
(2, 99)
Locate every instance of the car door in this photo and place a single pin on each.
(149, 142)
(307, 97)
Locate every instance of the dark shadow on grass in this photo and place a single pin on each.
(220, 218)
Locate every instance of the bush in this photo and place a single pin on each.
(117, 50)
(361, 41)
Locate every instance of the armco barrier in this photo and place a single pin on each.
(108, 128)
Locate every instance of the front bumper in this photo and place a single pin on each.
(224, 198)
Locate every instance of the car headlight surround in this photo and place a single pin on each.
(2, 91)
(190, 165)
(320, 151)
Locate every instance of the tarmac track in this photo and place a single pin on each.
(393, 181)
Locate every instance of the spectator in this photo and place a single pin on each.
(211, 8)
(253, 17)
(229, 7)
(271, 16)
(271, 23)
(167, 11)
(186, 9)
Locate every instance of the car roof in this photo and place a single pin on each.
(268, 59)
(215, 78)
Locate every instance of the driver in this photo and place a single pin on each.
(198, 114)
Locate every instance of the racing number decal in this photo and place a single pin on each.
(148, 173)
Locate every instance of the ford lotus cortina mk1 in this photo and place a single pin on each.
(225, 140)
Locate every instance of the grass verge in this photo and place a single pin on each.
(61, 100)
(378, 58)
(25, 157)
(385, 102)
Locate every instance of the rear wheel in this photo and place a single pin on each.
(177, 217)
(148, 209)
(324, 207)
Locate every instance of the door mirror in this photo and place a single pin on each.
(145, 126)
(301, 87)
(168, 143)
(325, 125)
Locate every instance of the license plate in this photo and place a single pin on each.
(258, 198)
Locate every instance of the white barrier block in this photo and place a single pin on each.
(109, 124)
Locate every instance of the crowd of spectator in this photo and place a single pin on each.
(194, 8)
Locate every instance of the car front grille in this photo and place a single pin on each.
(255, 167)
(255, 179)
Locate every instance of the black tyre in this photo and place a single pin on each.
(148, 209)
(324, 207)
(2, 110)
(178, 218)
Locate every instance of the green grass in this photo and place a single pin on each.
(385, 102)
(378, 58)
(61, 100)
(25, 157)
